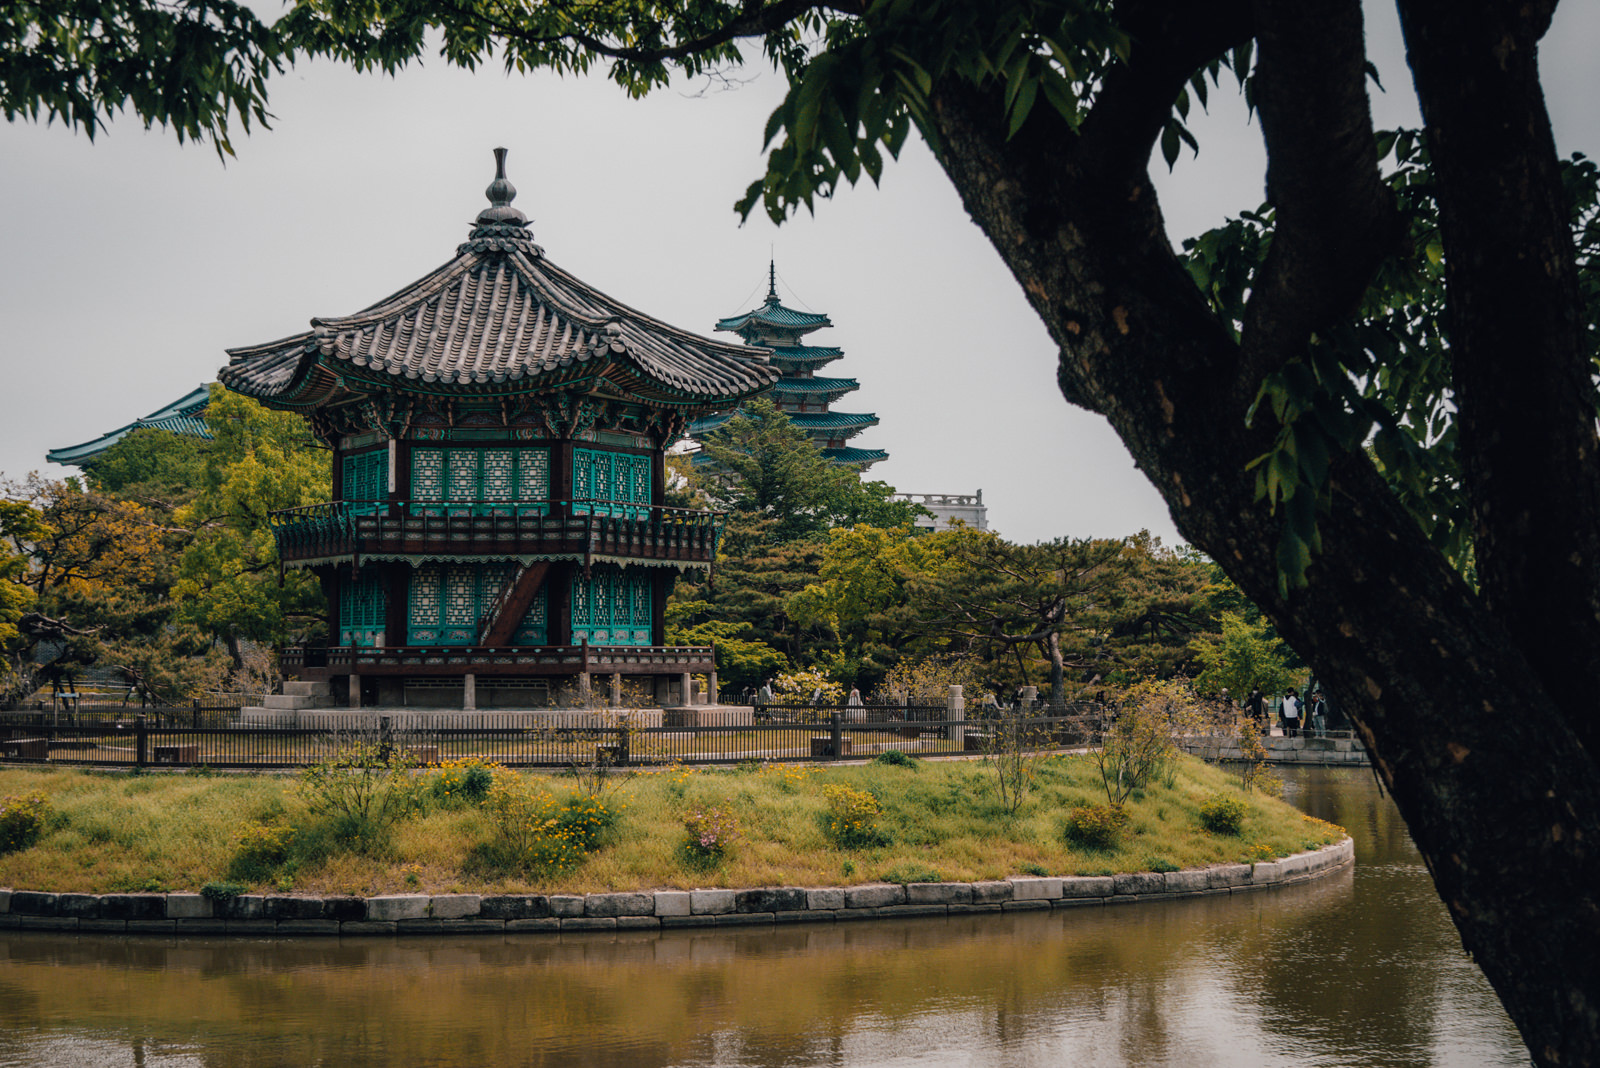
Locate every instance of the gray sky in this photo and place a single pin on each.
(129, 265)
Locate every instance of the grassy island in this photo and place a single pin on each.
(368, 827)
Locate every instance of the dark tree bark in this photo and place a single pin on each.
(1468, 706)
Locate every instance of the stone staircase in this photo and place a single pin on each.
(283, 709)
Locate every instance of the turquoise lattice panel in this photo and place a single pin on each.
(426, 608)
(499, 475)
(533, 477)
(366, 480)
(535, 627)
(361, 610)
(427, 474)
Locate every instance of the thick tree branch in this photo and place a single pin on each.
(1526, 403)
(1336, 217)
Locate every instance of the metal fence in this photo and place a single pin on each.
(828, 735)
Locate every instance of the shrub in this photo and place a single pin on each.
(22, 820)
(896, 759)
(851, 821)
(709, 834)
(220, 892)
(366, 787)
(462, 782)
(536, 833)
(259, 850)
(1221, 814)
(1159, 864)
(1096, 826)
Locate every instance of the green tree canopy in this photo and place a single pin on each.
(1475, 699)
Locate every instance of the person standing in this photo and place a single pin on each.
(1291, 713)
(1319, 714)
(1255, 707)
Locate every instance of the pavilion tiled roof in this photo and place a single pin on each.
(501, 317)
(186, 416)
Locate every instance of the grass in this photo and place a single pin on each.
(940, 819)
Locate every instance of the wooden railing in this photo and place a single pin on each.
(473, 528)
(462, 659)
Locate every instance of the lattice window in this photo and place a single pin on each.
(641, 600)
(460, 596)
(534, 628)
(582, 474)
(362, 604)
(427, 474)
(463, 466)
(499, 474)
(427, 600)
(533, 474)
(641, 479)
(366, 478)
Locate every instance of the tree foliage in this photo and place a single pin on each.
(1476, 699)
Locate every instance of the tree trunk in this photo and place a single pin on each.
(1471, 736)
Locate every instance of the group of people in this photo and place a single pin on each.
(1294, 716)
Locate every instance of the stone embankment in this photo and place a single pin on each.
(254, 915)
(1343, 750)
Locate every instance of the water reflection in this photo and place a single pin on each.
(1359, 969)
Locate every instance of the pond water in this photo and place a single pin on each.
(1359, 969)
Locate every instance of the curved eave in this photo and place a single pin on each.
(488, 346)
(855, 457)
(818, 421)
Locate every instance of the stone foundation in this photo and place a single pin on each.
(257, 915)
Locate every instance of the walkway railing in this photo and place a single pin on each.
(587, 529)
(139, 743)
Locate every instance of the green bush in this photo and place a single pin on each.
(1096, 826)
(1159, 864)
(365, 788)
(220, 892)
(259, 850)
(851, 821)
(22, 820)
(1221, 814)
(895, 758)
(709, 833)
(536, 833)
(462, 782)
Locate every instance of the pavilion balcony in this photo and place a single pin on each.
(578, 530)
(312, 663)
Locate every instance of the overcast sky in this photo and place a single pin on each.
(129, 265)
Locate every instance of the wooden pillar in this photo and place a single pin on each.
(561, 478)
(712, 696)
(338, 473)
(558, 603)
(329, 578)
(660, 590)
(686, 682)
(396, 594)
(616, 689)
(469, 692)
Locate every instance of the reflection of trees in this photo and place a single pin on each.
(1340, 964)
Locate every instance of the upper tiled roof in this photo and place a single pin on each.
(860, 457)
(501, 315)
(186, 415)
(773, 313)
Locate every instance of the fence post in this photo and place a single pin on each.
(197, 713)
(836, 720)
(955, 706)
(141, 743)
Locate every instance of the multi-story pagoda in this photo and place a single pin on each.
(802, 394)
(498, 431)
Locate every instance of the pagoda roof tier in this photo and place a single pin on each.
(802, 357)
(832, 388)
(498, 319)
(810, 422)
(185, 416)
(861, 457)
(774, 315)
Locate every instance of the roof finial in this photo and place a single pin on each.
(772, 279)
(500, 223)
